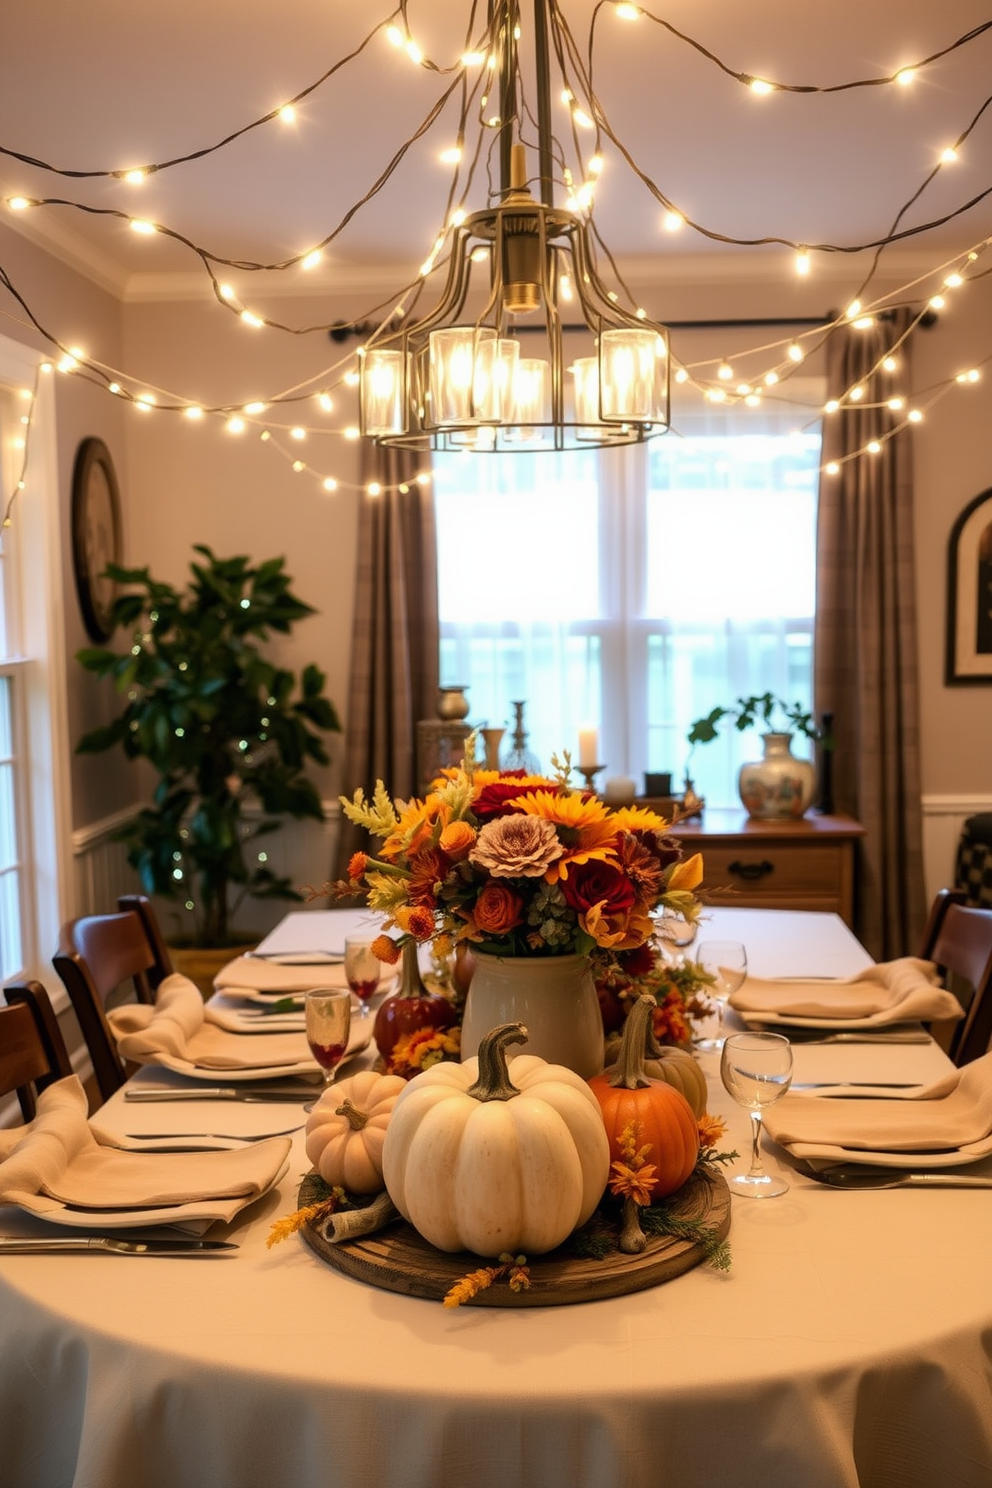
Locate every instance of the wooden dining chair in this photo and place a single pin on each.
(32, 1050)
(958, 938)
(142, 906)
(98, 955)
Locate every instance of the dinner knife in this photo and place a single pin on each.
(75, 1244)
(223, 1092)
(802, 1036)
(867, 1177)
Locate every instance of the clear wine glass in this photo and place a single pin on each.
(726, 962)
(328, 1022)
(362, 970)
(756, 1069)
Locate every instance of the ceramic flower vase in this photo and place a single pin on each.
(779, 785)
(554, 997)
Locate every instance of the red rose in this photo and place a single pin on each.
(594, 883)
(492, 799)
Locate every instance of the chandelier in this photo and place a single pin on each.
(499, 379)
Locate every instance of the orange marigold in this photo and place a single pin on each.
(385, 949)
(357, 864)
(416, 920)
(711, 1129)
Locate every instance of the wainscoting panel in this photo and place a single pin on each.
(302, 851)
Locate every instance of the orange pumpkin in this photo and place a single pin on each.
(661, 1114)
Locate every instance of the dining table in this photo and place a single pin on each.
(848, 1345)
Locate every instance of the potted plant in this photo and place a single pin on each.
(228, 732)
(779, 785)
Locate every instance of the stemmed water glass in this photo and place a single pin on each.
(328, 1023)
(361, 970)
(726, 962)
(756, 1069)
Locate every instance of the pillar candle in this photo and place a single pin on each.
(588, 746)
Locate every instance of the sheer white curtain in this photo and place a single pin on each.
(634, 590)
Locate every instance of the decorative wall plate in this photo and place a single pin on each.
(96, 534)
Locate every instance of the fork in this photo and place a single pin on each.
(212, 1136)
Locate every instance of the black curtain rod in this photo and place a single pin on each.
(344, 332)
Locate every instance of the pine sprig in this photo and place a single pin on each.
(659, 1220)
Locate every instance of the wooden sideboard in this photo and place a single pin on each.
(797, 864)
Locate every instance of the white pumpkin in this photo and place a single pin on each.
(477, 1162)
(346, 1129)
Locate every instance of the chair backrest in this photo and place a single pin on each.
(958, 938)
(96, 955)
(32, 1049)
(142, 907)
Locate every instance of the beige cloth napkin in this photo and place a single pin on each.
(906, 990)
(252, 974)
(950, 1121)
(59, 1159)
(176, 1030)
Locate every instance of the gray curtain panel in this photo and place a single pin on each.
(865, 652)
(394, 647)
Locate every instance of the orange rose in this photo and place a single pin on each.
(498, 909)
(457, 840)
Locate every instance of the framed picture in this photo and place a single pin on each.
(969, 594)
(96, 534)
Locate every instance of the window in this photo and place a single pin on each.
(35, 853)
(635, 590)
(13, 827)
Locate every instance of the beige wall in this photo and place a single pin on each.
(953, 463)
(184, 483)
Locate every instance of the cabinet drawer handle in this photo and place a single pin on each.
(752, 871)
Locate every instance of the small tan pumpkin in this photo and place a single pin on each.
(677, 1067)
(347, 1127)
(478, 1161)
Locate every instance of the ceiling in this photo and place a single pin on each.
(109, 84)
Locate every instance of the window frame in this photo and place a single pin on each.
(37, 673)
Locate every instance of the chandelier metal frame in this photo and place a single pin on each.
(533, 248)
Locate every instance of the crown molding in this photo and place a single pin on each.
(648, 271)
(46, 231)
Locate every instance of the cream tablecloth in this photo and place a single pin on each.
(847, 1346)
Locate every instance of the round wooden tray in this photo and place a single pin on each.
(398, 1259)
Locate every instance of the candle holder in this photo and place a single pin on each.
(589, 772)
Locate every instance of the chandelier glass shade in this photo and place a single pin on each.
(526, 348)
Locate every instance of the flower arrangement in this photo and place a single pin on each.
(679, 989)
(517, 865)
